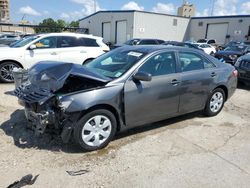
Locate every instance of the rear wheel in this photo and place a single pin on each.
(215, 102)
(95, 129)
(6, 69)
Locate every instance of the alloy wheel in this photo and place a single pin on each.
(6, 72)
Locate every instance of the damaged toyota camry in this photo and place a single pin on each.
(127, 87)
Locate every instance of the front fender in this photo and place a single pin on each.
(83, 100)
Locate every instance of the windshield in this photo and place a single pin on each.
(115, 63)
(236, 48)
(23, 42)
(132, 42)
(202, 41)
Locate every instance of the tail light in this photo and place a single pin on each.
(235, 73)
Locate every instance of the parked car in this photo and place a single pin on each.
(243, 67)
(232, 53)
(134, 42)
(207, 48)
(66, 47)
(7, 39)
(207, 41)
(124, 88)
(182, 44)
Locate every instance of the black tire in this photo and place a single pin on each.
(4, 66)
(207, 111)
(81, 123)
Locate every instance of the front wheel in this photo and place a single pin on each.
(95, 129)
(215, 102)
(6, 70)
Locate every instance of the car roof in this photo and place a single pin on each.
(70, 34)
(153, 48)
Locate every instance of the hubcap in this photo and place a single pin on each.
(96, 130)
(6, 72)
(216, 102)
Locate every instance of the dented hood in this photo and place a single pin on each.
(52, 75)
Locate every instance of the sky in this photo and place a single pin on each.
(36, 10)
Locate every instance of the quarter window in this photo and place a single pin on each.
(190, 62)
(160, 64)
(49, 42)
(88, 42)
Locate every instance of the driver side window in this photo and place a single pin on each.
(48, 42)
(160, 64)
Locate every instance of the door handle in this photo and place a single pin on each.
(83, 52)
(175, 82)
(53, 53)
(213, 74)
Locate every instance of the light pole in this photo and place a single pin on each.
(212, 9)
(94, 6)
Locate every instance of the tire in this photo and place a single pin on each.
(91, 137)
(6, 68)
(212, 109)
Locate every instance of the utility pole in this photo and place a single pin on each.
(94, 6)
(212, 9)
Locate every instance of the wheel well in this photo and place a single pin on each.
(88, 60)
(224, 89)
(10, 60)
(105, 107)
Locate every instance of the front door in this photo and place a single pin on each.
(157, 99)
(46, 50)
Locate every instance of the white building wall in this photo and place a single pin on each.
(160, 26)
(94, 23)
(238, 27)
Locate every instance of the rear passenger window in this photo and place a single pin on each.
(160, 64)
(88, 42)
(148, 42)
(208, 64)
(66, 42)
(190, 62)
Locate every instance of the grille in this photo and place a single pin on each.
(30, 94)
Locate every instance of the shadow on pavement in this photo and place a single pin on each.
(23, 137)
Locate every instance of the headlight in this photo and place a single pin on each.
(233, 57)
(45, 77)
(64, 104)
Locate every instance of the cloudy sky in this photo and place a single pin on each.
(36, 10)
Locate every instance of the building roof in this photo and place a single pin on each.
(216, 17)
(129, 11)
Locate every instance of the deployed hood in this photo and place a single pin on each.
(46, 79)
(52, 75)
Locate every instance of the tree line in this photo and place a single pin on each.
(50, 25)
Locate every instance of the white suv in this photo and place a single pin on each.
(64, 47)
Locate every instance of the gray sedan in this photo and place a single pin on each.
(125, 88)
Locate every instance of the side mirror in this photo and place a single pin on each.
(142, 76)
(32, 47)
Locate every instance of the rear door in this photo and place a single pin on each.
(197, 79)
(157, 99)
(70, 51)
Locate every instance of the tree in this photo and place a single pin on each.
(74, 24)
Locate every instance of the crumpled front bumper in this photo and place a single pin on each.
(40, 121)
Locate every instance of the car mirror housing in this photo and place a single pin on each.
(32, 47)
(142, 76)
